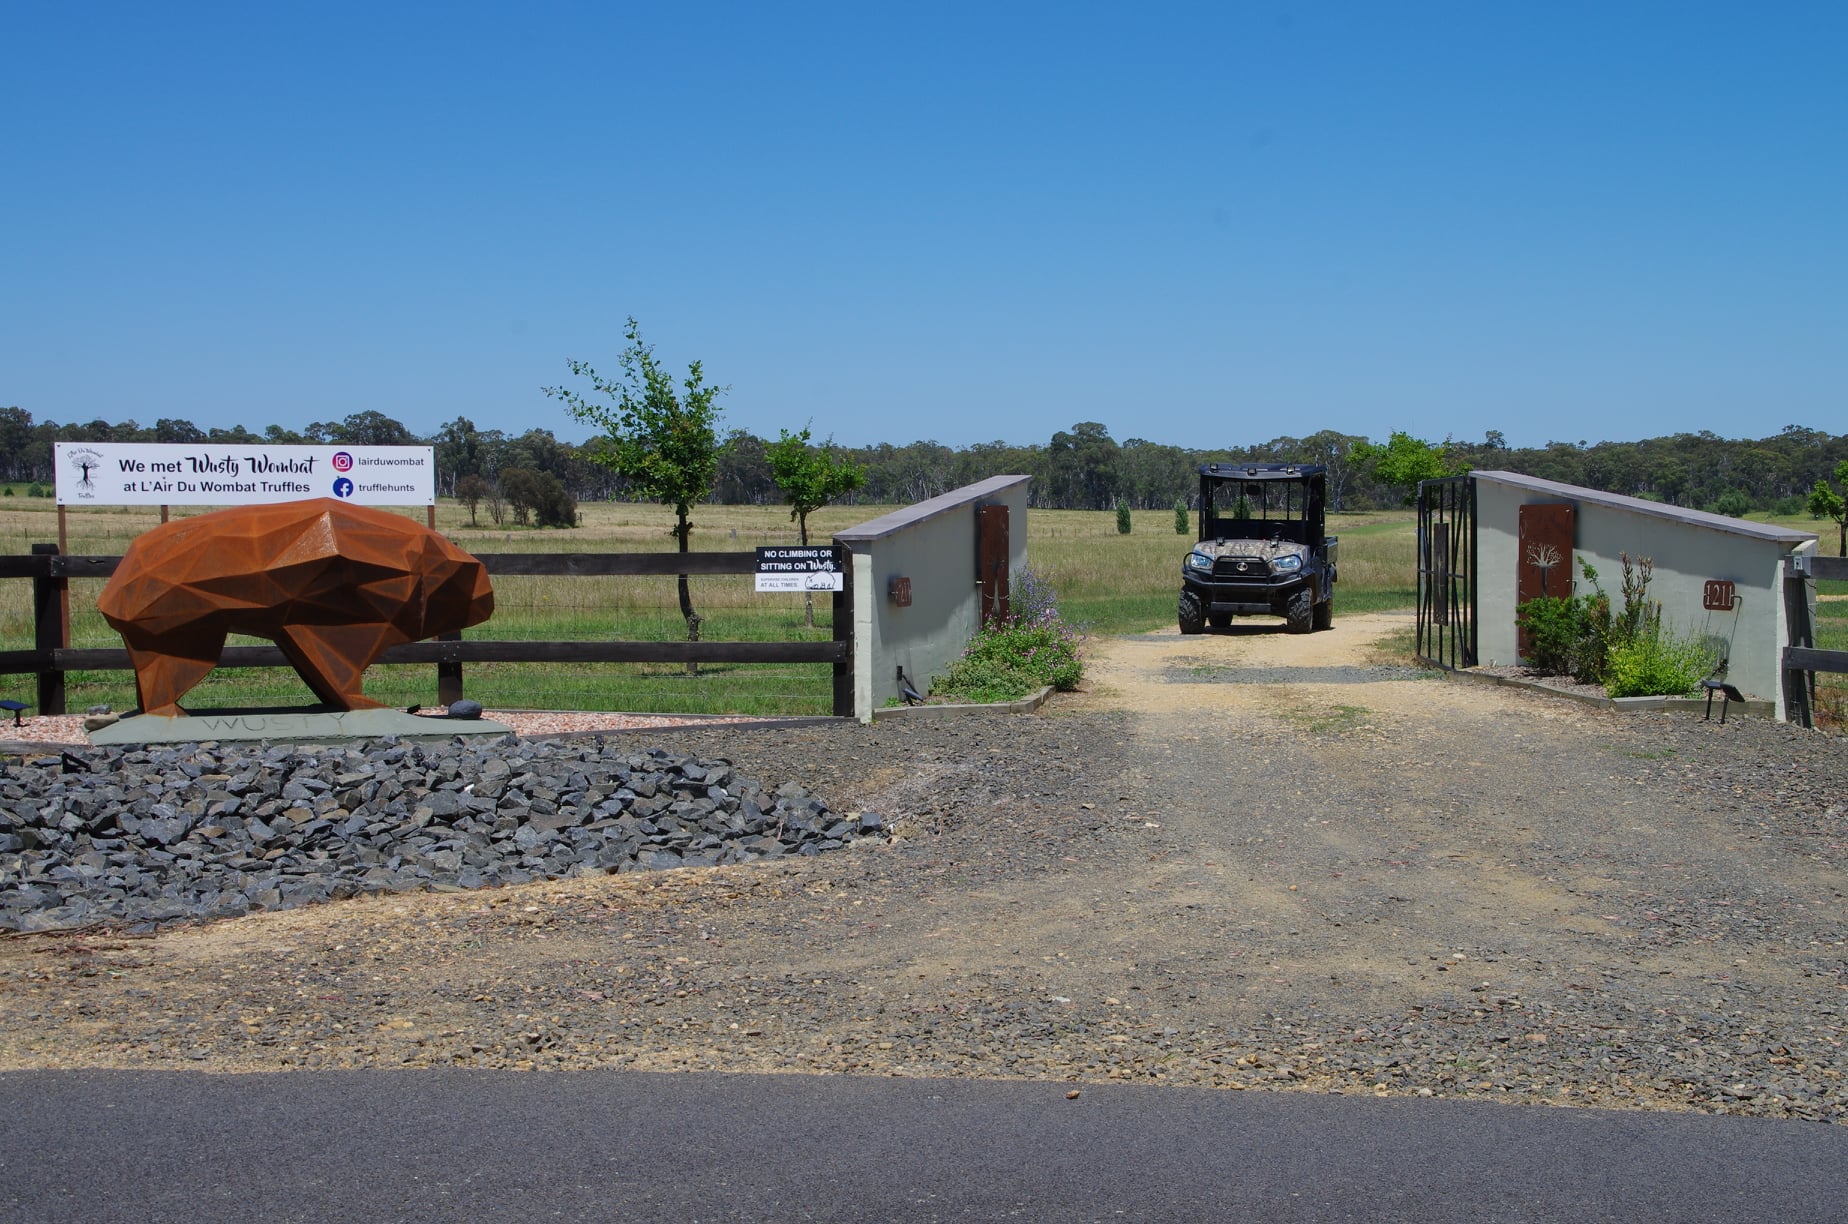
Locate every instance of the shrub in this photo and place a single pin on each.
(538, 496)
(1122, 518)
(1632, 653)
(1180, 518)
(1788, 507)
(1554, 628)
(1569, 635)
(1658, 663)
(1733, 503)
(1022, 652)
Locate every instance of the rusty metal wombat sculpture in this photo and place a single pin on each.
(333, 584)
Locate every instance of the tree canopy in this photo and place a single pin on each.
(662, 440)
(810, 476)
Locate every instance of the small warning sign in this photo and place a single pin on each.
(811, 568)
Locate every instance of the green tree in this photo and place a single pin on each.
(660, 438)
(1082, 466)
(744, 471)
(1122, 518)
(169, 429)
(518, 485)
(1825, 502)
(810, 477)
(470, 490)
(459, 449)
(1734, 503)
(368, 428)
(1404, 461)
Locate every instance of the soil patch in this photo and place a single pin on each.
(1243, 859)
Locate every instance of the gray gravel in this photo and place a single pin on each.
(1514, 900)
(1640, 910)
(137, 837)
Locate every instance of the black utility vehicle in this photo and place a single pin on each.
(1261, 549)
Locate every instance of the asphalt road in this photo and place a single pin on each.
(452, 1145)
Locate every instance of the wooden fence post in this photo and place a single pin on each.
(49, 593)
(449, 674)
(843, 634)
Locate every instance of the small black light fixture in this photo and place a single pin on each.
(1728, 695)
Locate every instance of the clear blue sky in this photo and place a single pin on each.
(1201, 224)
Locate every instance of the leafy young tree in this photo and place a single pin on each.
(1825, 502)
(1404, 461)
(663, 440)
(810, 477)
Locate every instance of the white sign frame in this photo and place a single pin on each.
(807, 568)
(240, 474)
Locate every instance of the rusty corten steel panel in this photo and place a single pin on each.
(1545, 564)
(332, 584)
(1546, 551)
(991, 561)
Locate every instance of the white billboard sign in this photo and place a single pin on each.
(240, 474)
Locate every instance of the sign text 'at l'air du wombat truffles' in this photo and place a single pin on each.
(160, 474)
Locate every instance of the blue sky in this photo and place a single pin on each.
(1200, 224)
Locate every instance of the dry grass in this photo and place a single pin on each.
(1105, 580)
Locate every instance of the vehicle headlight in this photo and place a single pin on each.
(1287, 565)
(1199, 561)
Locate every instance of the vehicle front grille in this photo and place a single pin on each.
(1236, 568)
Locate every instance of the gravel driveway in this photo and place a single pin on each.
(1245, 860)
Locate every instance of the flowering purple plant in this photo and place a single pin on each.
(1028, 649)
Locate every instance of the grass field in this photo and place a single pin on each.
(526, 609)
(1112, 583)
(1108, 583)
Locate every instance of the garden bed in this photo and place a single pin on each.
(1595, 695)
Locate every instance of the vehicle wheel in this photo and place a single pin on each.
(1325, 614)
(1220, 620)
(1193, 616)
(1300, 612)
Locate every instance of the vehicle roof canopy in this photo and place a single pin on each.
(1261, 471)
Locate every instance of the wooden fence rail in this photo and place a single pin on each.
(53, 656)
(1801, 658)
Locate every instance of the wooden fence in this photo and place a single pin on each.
(1801, 658)
(52, 655)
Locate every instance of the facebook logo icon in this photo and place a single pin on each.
(343, 487)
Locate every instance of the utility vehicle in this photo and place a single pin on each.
(1262, 550)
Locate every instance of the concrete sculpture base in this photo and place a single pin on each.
(298, 725)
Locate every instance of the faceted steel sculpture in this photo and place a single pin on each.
(333, 584)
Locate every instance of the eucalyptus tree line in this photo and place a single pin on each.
(1083, 467)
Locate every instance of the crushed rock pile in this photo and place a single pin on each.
(142, 836)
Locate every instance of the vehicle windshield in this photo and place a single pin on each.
(1254, 510)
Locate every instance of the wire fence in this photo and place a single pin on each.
(528, 608)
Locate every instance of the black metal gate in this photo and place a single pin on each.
(1447, 571)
